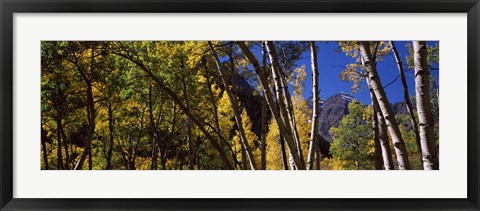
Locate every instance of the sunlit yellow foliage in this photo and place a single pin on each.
(225, 114)
(274, 153)
(353, 72)
(303, 116)
(303, 124)
(300, 76)
(252, 138)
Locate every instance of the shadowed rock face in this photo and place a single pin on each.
(399, 108)
(333, 110)
(250, 101)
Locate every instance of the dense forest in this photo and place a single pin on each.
(236, 105)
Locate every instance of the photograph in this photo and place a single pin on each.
(239, 105)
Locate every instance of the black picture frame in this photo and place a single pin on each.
(9, 7)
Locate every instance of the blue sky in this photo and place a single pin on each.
(329, 65)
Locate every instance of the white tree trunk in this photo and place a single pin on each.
(406, 98)
(316, 109)
(270, 102)
(422, 91)
(233, 101)
(281, 84)
(376, 85)
(382, 129)
(382, 135)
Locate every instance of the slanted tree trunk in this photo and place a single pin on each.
(201, 125)
(139, 137)
(263, 135)
(91, 115)
(153, 128)
(45, 157)
(316, 108)
(383, 136)
(44, 147)
(378, 147)
(162, 143)
(125, 158)
(271, 103)
(281, 105)
(221, 140)
(376, 85)
(424, 109)
(244, 157)
(65, 146)
(212, 100)
(406, 98)
(214, 107)
(189, 128)
(284, 153)
(59, 143)
(154, 165)
(233, 101)
(285, 102)
(90, 161)
(381, 129)
(111, 129)
(233, 80)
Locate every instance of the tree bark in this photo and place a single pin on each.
(316, 108)
(233, 101)
(153, 129)
(422, 89)
(378, 147)
(189, 128)
(376, 85)
(263, 135)
(284, 153)
(282, 84)
(45, 155)
(381, 129)
(406, 97)
(212, 101)
(383, 136)
(91, 116)
(59, 143)
(65, 145)
(270, 102)
(214, 107)
(90, 161)
(137, 141)
(281, 105)
(111, 135)
(376, 140)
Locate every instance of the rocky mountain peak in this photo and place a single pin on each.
(333, 110)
